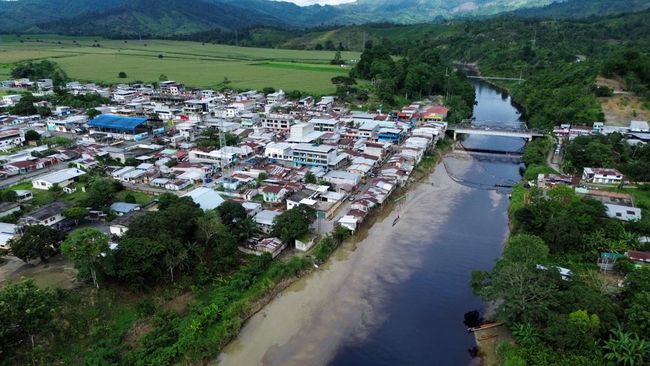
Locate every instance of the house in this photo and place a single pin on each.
(62, 178)
(208, 199)
(273, 246)
(639, 126)
(120, 224)
(273, 194)
(10, 100)
(8, 208)
(435, 113)
(7, 232)
(252, 208)
(177, 184)
(264, 220)
(49, 215)
(24, 195)
(602, 176)
(122, 208)
(276, 97)
(305, 243)
(339, 177)
(11, 138)
(638, 257)
(624, 213)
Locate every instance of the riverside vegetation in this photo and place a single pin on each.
(587, 319)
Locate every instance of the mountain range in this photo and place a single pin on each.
(166, 18)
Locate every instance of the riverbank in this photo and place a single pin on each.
(304, 324)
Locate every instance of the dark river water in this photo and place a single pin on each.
(397, 295)
(424, 323)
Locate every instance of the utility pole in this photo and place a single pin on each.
(447, 75)
(224, 154)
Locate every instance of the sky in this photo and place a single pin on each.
(322, 2)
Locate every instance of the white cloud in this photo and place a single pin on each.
(321, 2)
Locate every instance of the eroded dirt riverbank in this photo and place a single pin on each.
(343, 300)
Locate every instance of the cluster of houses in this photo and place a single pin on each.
(593, 184)
(638, 132)
(273, 153)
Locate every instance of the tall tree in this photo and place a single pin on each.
(85, 248)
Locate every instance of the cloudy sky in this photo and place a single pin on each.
(322, 2)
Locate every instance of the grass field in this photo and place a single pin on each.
(196, 64)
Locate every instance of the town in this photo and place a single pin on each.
(263, 151)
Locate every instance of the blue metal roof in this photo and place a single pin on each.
(117, 122)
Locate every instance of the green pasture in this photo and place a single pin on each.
(196, 64)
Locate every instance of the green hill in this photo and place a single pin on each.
(585, 8)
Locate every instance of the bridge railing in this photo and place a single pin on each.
(495, 126)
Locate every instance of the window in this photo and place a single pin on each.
(630, 213)
(618, 214)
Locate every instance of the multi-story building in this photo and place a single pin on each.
(602, 176)
(314, 155)
(278, 122)
(324, 125)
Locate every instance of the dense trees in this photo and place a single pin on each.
(26, 312)
(422, 72)
(562, 219)
(294, 223)
(611, 151)
(101, 192)
(75, 213)
(39, 70)
(37, 241)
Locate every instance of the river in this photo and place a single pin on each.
(397, 294)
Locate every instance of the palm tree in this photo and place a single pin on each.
(525, 334)
(631, 239)
(626, 348)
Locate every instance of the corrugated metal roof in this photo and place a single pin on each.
(117, 122)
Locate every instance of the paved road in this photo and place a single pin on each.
(11, 181)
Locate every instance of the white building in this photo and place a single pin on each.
(7, 232)
(324, 125)
(279, 151)
(62, 178)
(48, 215)
(304, 133)
(208, 199)
(264, 220)
(276, 98)
(602, 176)
(639, 126)
(217, 157)
(11, 138)
(338, 177)
(314, 155)
(278, 122)
(10, 100)
(624, 213)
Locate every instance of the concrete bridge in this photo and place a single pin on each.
(471, 129)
